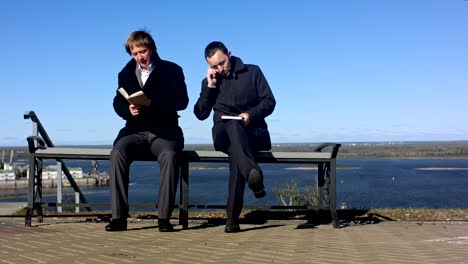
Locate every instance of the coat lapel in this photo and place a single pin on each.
(138, 75)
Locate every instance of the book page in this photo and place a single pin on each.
(139, 98)
(231, 117)
(123, 92)
(139, 93)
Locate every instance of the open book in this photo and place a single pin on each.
(231, 117)
(138, 98)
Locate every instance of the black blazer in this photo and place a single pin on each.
(168, 93)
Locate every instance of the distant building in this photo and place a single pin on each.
(50, 173)
(7, 175)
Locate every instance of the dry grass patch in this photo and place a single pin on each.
(422, 214)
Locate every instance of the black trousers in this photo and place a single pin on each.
(241, 144)
(136, 146)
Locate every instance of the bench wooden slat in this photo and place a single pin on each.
(189, 155)
(74, 153)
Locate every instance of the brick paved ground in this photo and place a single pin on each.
(67, 240)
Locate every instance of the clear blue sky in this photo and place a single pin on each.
(341, 71)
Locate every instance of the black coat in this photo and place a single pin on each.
(245, 90)
(167, 91)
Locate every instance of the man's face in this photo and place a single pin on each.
(220, 62)
(142, 55)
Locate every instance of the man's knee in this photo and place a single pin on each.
(168, 156)
(117, 154)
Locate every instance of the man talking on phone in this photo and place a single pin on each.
(241, 99)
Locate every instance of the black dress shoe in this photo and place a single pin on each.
(117, 225)
(255, 181)
(165, 226)
(232, 226)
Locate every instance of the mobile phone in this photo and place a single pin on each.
(214, 76)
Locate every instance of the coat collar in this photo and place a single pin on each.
(236, 66)
(132, 69)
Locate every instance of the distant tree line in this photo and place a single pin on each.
(442, 149)
(407, 150)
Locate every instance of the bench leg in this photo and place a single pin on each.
(320, 185)
(332, 193)
(34, 191)
(322, 191)
(38, 193)
(32, 174)
(184, 194)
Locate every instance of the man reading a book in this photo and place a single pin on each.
(234, 90)
(151, 129)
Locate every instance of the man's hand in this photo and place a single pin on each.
(245, 118)
(211, 78)
(134, 109)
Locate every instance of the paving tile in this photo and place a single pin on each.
(276, 241)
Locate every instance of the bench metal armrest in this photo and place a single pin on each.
(32, 146)
(335, 148)
(31, 115)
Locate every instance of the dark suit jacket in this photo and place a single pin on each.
(168, 93)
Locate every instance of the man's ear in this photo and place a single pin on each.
(229, 53)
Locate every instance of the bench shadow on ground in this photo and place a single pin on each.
(359, 217)
(313, 218)
(310, 219)
(261, 219)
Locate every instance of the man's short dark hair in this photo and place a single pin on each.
(211, 49)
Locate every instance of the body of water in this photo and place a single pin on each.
(361, 183)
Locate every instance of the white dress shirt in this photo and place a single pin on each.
(144, 74)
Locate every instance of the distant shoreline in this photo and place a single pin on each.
(315, 168)
(439, 169)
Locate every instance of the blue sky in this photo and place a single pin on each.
(341, 71)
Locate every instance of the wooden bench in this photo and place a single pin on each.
(41, 148)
